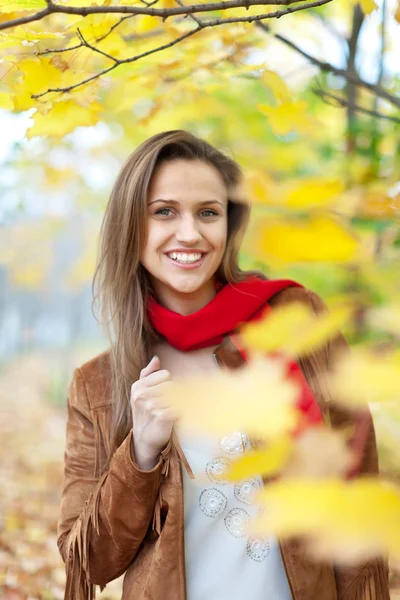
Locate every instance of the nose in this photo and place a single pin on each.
(188, 231)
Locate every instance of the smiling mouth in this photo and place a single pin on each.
(186, 259)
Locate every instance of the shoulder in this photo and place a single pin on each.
(93, 380)
(298, 294)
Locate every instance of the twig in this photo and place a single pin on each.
(119, 62)
(329, 68)
(334, 100)
(122, 19)
(85, 43)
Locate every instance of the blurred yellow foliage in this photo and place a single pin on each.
(397, 13)
(368, 6)
(276, 84)
(344, 521)
(258, 399)
(289, 116)
(266, 461)
(365, 376)
(318, 239)
(294, 329)
(298, 194)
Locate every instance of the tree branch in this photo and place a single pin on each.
(119, 62)
(93, 48)
(201, 25)
(164, 13)
(351, 88)
(329, 68)
(338, 101)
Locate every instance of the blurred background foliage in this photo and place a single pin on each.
(320, 154)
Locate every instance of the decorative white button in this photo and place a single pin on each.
(245, 492)
(216, 468)
(236, 522)
(212, 502)
(257, 548)
(235, 443)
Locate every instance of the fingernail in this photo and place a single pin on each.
(155, 356)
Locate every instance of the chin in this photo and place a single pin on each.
(187, 284)
(186, 287)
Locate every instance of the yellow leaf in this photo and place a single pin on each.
(6, 101)
(145, 23)
(7, 6)
(276, 84)
(26, 38)
(257, 398)
(397, 13)
(345, 522)
(313, 192)
(267, 461)
(364, 377)
(95, 26)
(294, 329)
(63, 118)
(289, 116)
(368, 6)
(297, 194)
(38, 75)
(319, 239)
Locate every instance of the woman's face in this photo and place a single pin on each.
(187, 226)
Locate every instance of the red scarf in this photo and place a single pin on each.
(232, 305)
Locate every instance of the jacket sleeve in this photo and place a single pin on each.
(103, 520)
(368, 581)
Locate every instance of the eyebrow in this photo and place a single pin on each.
(202, 203)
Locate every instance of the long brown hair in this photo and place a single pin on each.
(121, 284)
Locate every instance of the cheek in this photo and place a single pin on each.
(155, 238)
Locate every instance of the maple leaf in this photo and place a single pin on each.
(63, 118)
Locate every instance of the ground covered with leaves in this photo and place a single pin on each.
(32, 432)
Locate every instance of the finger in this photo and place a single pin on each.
(155, 392)
(154, 365)
(156, 378)
(165, 414)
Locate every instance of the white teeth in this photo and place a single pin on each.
(185, 258)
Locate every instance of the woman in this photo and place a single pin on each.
(171, 294)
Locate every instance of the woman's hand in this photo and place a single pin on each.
(152, 419)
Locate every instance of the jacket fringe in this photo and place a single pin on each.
(100, 420)
(181, 455)
(78, 585)
(372, 584)
(166, 456)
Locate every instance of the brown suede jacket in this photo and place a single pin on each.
(125, 520)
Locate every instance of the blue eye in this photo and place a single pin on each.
(159, 211)
(213, 213)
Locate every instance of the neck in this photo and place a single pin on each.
(184, 304)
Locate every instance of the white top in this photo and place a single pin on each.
(223, 562)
